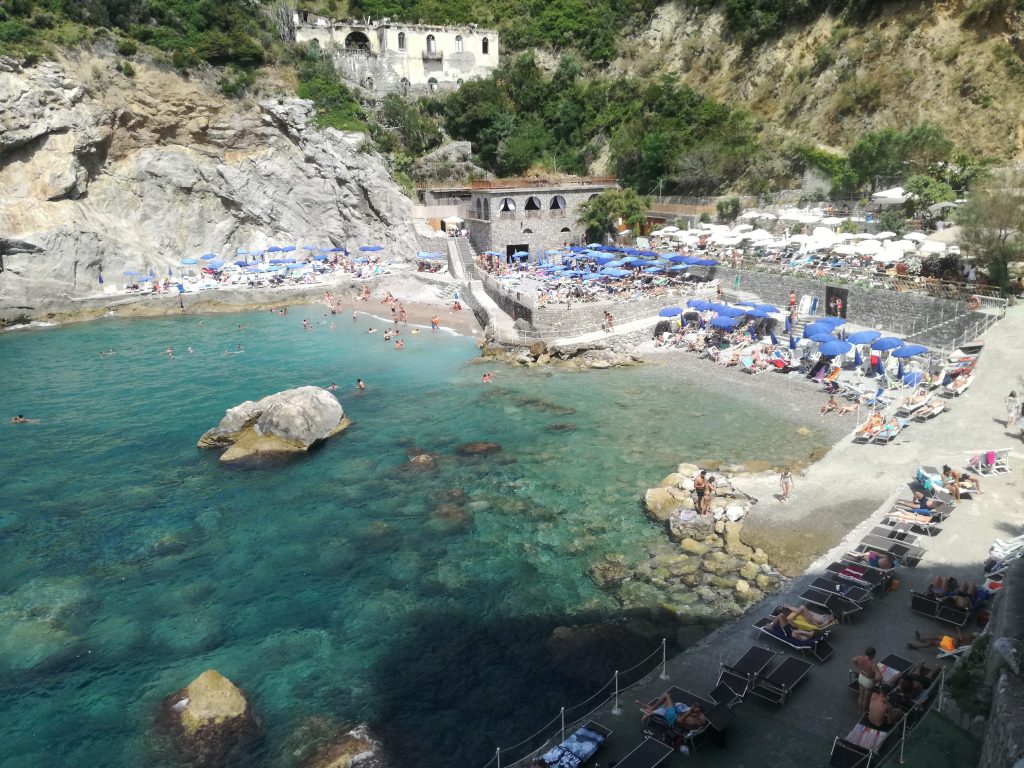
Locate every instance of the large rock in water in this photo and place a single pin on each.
(210, 721)
(287, 422)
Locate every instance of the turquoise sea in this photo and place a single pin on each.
(345, 586)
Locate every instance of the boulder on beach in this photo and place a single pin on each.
(284, 423)
(210, 721)
(480, 448)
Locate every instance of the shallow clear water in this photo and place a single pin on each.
(344, 585)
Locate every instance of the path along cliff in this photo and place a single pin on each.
(101, 173)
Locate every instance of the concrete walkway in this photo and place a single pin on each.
(848, 489)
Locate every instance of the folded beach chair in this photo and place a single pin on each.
(647, 754)
(819, 647)
(877, 580)
(991, 462)
(1007, 547)
(740, 676)
(778, 684)
(934, 608)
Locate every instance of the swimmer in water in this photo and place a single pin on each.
(108, 353)
(415, 330)
(19, 419)
(190, 350)
(353, 314)
(169, 352)
(360, 385)
(371, 330)
(332, 387)
(399, 344)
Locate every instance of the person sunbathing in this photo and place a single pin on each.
(959, 384)
(803, 618)
(798, 628)
(834, 406)
(875, 559)
(917, 397)
(872, 425)
(957, 481)
(677, 715)
(916, 515)
(945, 642)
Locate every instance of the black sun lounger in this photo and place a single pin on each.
(863, 575)
(831, 601)
(577, 750)
(943, 610)
(647, 754)
(819, 647)
(928, 526)
(907, 555)
(776, 685)
(740, 676)
(893, 667)
(897, 534)
(832, 583)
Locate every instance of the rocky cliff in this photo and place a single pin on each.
(101, 173)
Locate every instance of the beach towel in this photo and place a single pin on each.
(853, 572)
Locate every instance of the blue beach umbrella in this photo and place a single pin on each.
(792, 341)
(101, 278)
(208, 256)
(724, 322)
(857, 359)
(816, 327)
(216, 264)
(654, 271)
(699, 304)
(863, 337)
(670, 312)
(577, 249)
(913, 378)
(371, 248)
(886, 342)
(594, 245)
(145, 278)
(767, 307)
(309, 248)
(756, 313)
(753, 333)
(679, 268)
(130, 273)
(836, 347)
(335, 249)
(591, 276)
(775, 341)
(822, 338)
(706, 263)
(320, 257)
(835, 322)
(189, 261)
(360, 260)
(273, 249)
(603, 260)
(170, 272)
(241, 252)
(910, 350)
(287, 248)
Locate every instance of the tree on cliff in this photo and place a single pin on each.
(992, 224)
(601, 214)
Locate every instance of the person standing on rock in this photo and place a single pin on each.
(709, 494)
(786, 483)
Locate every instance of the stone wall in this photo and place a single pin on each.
(509, 303)
(905, 313)
(1004, 738)
(540, 230)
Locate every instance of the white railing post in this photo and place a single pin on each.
(664, 659)
(497, 756)
(903, 738)
(616, 710)
(563, 723)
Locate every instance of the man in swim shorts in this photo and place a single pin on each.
(868, 674)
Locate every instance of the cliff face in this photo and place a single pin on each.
(101, 173)
(829, 82)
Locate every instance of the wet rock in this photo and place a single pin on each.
(766, 583)
(714, 567)
(636, 594)
(733, 544)
(543, 359)
(760, 556)
(283, 423)
(750, 572)
(481, 448)
(742, 586)
(452, 514)
(748, 596)
(660, 504)
(600, 364)
(692, 547)
(421, 460)
(211, 722)
(688, 470)
(538, 348)
(684, 566)
(719, 526)
(355, 747)
(688, 524)
(610, 571)
(707, 595)
(672, 480)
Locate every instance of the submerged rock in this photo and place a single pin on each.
(210, 721)
(283, 423)
(481, 448)
(356, 746)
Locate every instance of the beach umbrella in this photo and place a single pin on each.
(208, 256)
(603, 260)
(287, 248)
(670, 312)
(816, 327)
(833, 348)
(654, 271)
(145, 278)
(590, 276)
(335, 249)
(216, 264)
(371, 248)
(857, 359)
(130, 273)
(913, 378)
(886, 342)
(835, 322)
(360, 260)
(792, 341)
(320, 257)
(698, 304)
(775, 341)
(679, 268)
(677, 259)
(516, 255)
(910, 350)
(705, 263)
(152, 272)
(822, 338)
(767, 308)
(309, 248)
(863, 337)
(273, 249)
(899, 369)
(756, 313)
(101, 278)
(577, 249)
(724, 322)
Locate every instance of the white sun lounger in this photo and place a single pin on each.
(990, 462)
(948, 390)
(907, 409)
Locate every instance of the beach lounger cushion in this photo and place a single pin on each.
(576, 749)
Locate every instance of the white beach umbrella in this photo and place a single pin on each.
(657, 233)
(915, 236)
(930, 246)
(759, 234)
(868, 247)
(670, 229)
(885, 235)
(845, 249)
(767, 215)
(902, 245)
(846, 236)
(832, 221)
(743, 227)
(887, 256)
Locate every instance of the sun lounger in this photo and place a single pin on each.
(939, 489)
(875, 579)
(578, 748)
(833, 602)
(930, 410)
(892, 667)
(718, 717)
(778, 684)
(906, 554)
(830, 582)
(846, 754)
(896, 534)
(928, 525)
(991, 462)
(889, 431)
(818, 647)
(909, 406)
(934, 608)
(740, 676)
(647, 754)
(958, 386)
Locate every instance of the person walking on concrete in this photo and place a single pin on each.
(786, 483)
(1012, 409)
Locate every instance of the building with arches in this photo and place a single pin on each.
(391, 57)
(525, 214)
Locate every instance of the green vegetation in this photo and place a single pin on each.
(601, 214)
(729, 209)
(336, 107)
(662, 135)
(992, 224)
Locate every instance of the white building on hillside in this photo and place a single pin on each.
(386, 56)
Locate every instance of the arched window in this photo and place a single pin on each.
(357, 41)
(431, 44)
(458, 44)
(532, 203)
(557, 203)
(432, 83)
(404, 84)
(485, 46)
(401, 41)
(479, 208)
(565, 229)
(507, 205)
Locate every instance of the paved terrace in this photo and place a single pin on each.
(848, 489)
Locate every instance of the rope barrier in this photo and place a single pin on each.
(561, 718)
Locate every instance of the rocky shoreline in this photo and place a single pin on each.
(579, 357)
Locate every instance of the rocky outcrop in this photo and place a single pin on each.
(449, 162)
(287, 422)
(596, 355)
(101, 174)
(210, 721)
(356, 747)
(481, 448)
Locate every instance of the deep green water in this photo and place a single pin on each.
(334, 586)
